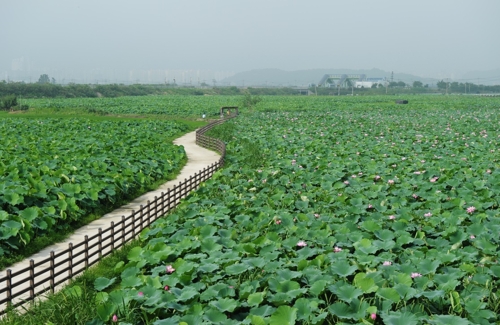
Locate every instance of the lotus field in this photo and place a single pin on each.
(348, 214)
(54, 171)
(180, 106)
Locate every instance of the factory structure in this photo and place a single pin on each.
(350, 80)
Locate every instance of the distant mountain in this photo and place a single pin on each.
(277, 77)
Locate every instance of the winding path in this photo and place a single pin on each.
(198, 158)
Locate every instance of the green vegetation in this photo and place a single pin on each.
(330, 210)
(75, 305)
(10, 103)
(55, 171)
(48, 89)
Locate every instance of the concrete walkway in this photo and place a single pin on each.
(198, 158)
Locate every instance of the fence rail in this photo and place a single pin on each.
(24, 285)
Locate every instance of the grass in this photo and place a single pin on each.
(76, 304)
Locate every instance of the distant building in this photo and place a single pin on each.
(349, 80)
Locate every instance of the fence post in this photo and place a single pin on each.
(162, 204)
(170, 197)
(100, 244)
(9, 285)
(86, 252)
(141, 207)
(149, 213)
(156, 210)
(70, 260)
(123, 230)
(32, 279)
(52, 277)
(112, 236)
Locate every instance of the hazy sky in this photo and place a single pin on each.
(424, 37)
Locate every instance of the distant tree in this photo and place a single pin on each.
(44, 79)
(441, 84)
(8, 102)
(249, 101)
(401, 84)
(393, 84)
(418, 84)
(375, 85)
(53, 81)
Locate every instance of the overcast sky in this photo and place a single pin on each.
(430, 38)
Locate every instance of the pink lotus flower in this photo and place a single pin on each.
(377, 177)
(370, 206)
(170, 269)
(472, 237)
(415, 275)
(428, 214)
(471, 209)
(434, 179)
(415, 196)
(316, 215)
(140, 294)
(278, 222)
(373, 316)
(353, 176)
(302, 243)
(387, 263)
(337, 249)
(346, 182)
(390, 182)
(392, 217)
(115, 318)
(166, 288)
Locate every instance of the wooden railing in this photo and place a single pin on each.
(23, 285)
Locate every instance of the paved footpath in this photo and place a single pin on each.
(198, 158)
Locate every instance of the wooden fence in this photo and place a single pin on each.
(23, 285)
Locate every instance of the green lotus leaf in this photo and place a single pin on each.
(284, 315)
(389, 294)
(400, 318)
(447, 319)
(365, 283)
(225, 304)
(262, 311)
(214, 316)
(343, 268)
(237, 269)
(102, 283)
(347, 292)
(342, 310)
(256, 298)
